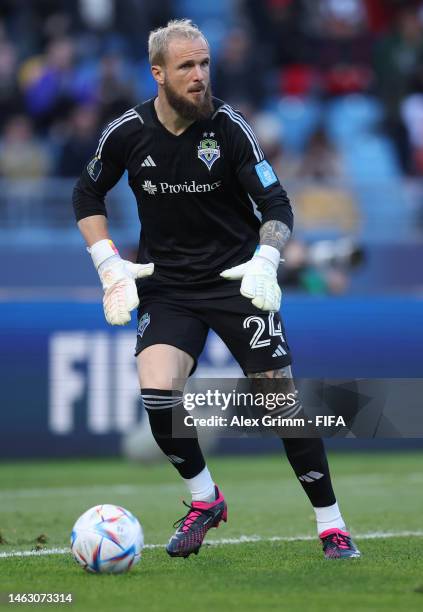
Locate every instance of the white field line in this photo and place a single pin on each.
(130, 489)
(8, 494)
(372, 535)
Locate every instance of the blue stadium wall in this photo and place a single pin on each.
(69, 387)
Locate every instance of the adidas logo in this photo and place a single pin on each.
(279, 351)
(148, 162)
(175, 459)
(311, 476)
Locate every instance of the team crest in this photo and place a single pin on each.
(94, 168)
(208, 150)
(143, 324)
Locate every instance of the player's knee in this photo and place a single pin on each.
(152, 374)
(157, 377)
(156, 380)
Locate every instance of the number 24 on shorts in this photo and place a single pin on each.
(256, 340)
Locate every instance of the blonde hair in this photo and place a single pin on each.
(158, 41)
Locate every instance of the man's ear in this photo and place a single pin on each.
(158, 74)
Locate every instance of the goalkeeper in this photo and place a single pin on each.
(215, 221)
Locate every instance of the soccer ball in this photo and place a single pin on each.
(107, 539)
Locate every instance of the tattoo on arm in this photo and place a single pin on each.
(275, 234)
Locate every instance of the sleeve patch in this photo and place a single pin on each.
(266, 174)
(94, 168)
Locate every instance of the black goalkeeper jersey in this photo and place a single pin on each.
(201, 196)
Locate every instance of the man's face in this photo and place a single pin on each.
(186, 78)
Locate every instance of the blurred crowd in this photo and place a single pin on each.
(67, 67)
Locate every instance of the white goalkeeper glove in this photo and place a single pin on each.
(259, 280)
(118, 279)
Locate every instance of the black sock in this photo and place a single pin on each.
(166, 414)
(307, 457)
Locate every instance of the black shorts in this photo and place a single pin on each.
(255, 338)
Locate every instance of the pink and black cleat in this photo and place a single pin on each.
(192, 528)
(337, 544)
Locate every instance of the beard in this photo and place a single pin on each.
(185, 108)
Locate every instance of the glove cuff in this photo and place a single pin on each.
(269, 253)
(101, 251)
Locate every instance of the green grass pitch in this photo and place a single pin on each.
(377, 493)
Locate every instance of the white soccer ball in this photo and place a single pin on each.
(107, 539)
